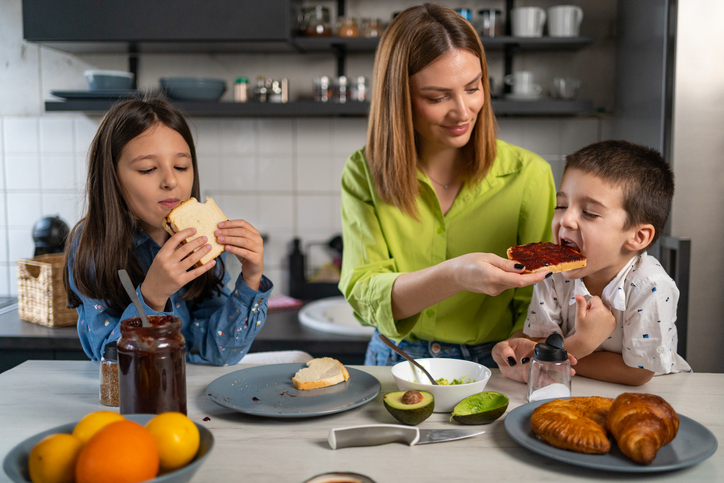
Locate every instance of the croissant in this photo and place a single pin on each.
(642, 424)
(576, 424)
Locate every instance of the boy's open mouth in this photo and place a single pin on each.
(568, 243)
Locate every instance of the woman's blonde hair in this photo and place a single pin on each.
(412, 41)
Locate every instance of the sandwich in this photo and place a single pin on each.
(320, 372)
(205, 217)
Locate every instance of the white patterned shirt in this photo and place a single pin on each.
(642, 298)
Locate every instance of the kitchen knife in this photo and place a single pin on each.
(374, 434)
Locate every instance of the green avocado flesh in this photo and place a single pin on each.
(481, 408)
(411, 414)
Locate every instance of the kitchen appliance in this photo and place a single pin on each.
(49, 235)
(374, 434)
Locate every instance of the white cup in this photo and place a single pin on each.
(564, 21)
(527, 21)
(565, 87)
(522, 83)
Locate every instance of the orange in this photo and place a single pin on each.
(91, 423)
(177, 438)
(122, 452)
(53, 459)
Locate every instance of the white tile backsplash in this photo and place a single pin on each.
(68, 205)
(23, 209)
(56, 135)
(57, 172)
(281, 175)
(22, 171)
(85, 130)
(20, 244)
(20, 135)
(275, 173)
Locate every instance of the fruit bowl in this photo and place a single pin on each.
(408, 376)
(16, 461)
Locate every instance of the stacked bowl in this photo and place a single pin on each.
(193, 88)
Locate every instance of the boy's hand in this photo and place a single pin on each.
(170, 268)
(243, 240)
(594, 324)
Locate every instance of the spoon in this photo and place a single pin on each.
(128, 285)
(392, 346)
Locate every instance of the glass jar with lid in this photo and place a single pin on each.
(108, 391)
(347, 27)
(317, 22)
(371, 27)
(152, 366)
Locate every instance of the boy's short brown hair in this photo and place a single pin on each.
(644, 176)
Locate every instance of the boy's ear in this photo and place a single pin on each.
(641, 237)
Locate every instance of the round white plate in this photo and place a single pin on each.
(333, 315)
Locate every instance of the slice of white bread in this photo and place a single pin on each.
(205, 217)
(320, 372)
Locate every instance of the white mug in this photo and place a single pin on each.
(564, 21)
(565, 87)
(527, 21)
(522, 82)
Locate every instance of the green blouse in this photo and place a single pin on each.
(512, 205)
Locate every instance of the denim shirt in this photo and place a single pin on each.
(220, 329)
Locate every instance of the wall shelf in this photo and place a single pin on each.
(501, 107)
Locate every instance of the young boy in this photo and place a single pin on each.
(617, 314)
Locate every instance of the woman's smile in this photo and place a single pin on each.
(457, 129)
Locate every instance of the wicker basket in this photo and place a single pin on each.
(41, 296)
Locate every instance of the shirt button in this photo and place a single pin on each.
(533, 318)
(661, 349)
(441, 230)
(429, 312)
(435, 348)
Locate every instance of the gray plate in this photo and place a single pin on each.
(268, 391)
(693, 444)
(16, 462)
(101, 94)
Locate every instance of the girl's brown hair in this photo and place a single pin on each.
(102, 242)
(412, 41)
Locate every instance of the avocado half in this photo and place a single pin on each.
(481, 408)
(409, 407)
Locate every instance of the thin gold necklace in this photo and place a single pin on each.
(444, 186)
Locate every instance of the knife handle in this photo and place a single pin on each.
(372, 434)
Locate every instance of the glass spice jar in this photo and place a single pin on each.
(371, 27)
(152, 366)
(322, 89)
(108, 391)
(347, 27)
(318, 23)
(241, 89)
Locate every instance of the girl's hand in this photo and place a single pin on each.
(490, 274)
(243, 240)
(170, 269)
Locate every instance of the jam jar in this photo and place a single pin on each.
(152, 366)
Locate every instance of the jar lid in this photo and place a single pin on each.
(242, 79)
(551, 350)
(110, 351)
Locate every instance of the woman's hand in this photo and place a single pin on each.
(243, 240)
(170, 268)
(490, 274)
(511, 355)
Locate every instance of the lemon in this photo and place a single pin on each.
(53, 459)
(91, 423)
(177, 438)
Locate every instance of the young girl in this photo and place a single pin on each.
(142, 164)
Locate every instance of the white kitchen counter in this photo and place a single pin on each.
(38, 395)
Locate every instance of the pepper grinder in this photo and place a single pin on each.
(550, 371)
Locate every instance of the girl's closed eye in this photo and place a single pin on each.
(146, 171)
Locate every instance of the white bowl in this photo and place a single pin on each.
(407, 376)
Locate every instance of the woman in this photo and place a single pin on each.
(433, 200)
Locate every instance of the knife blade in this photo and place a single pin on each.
(375, 434)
